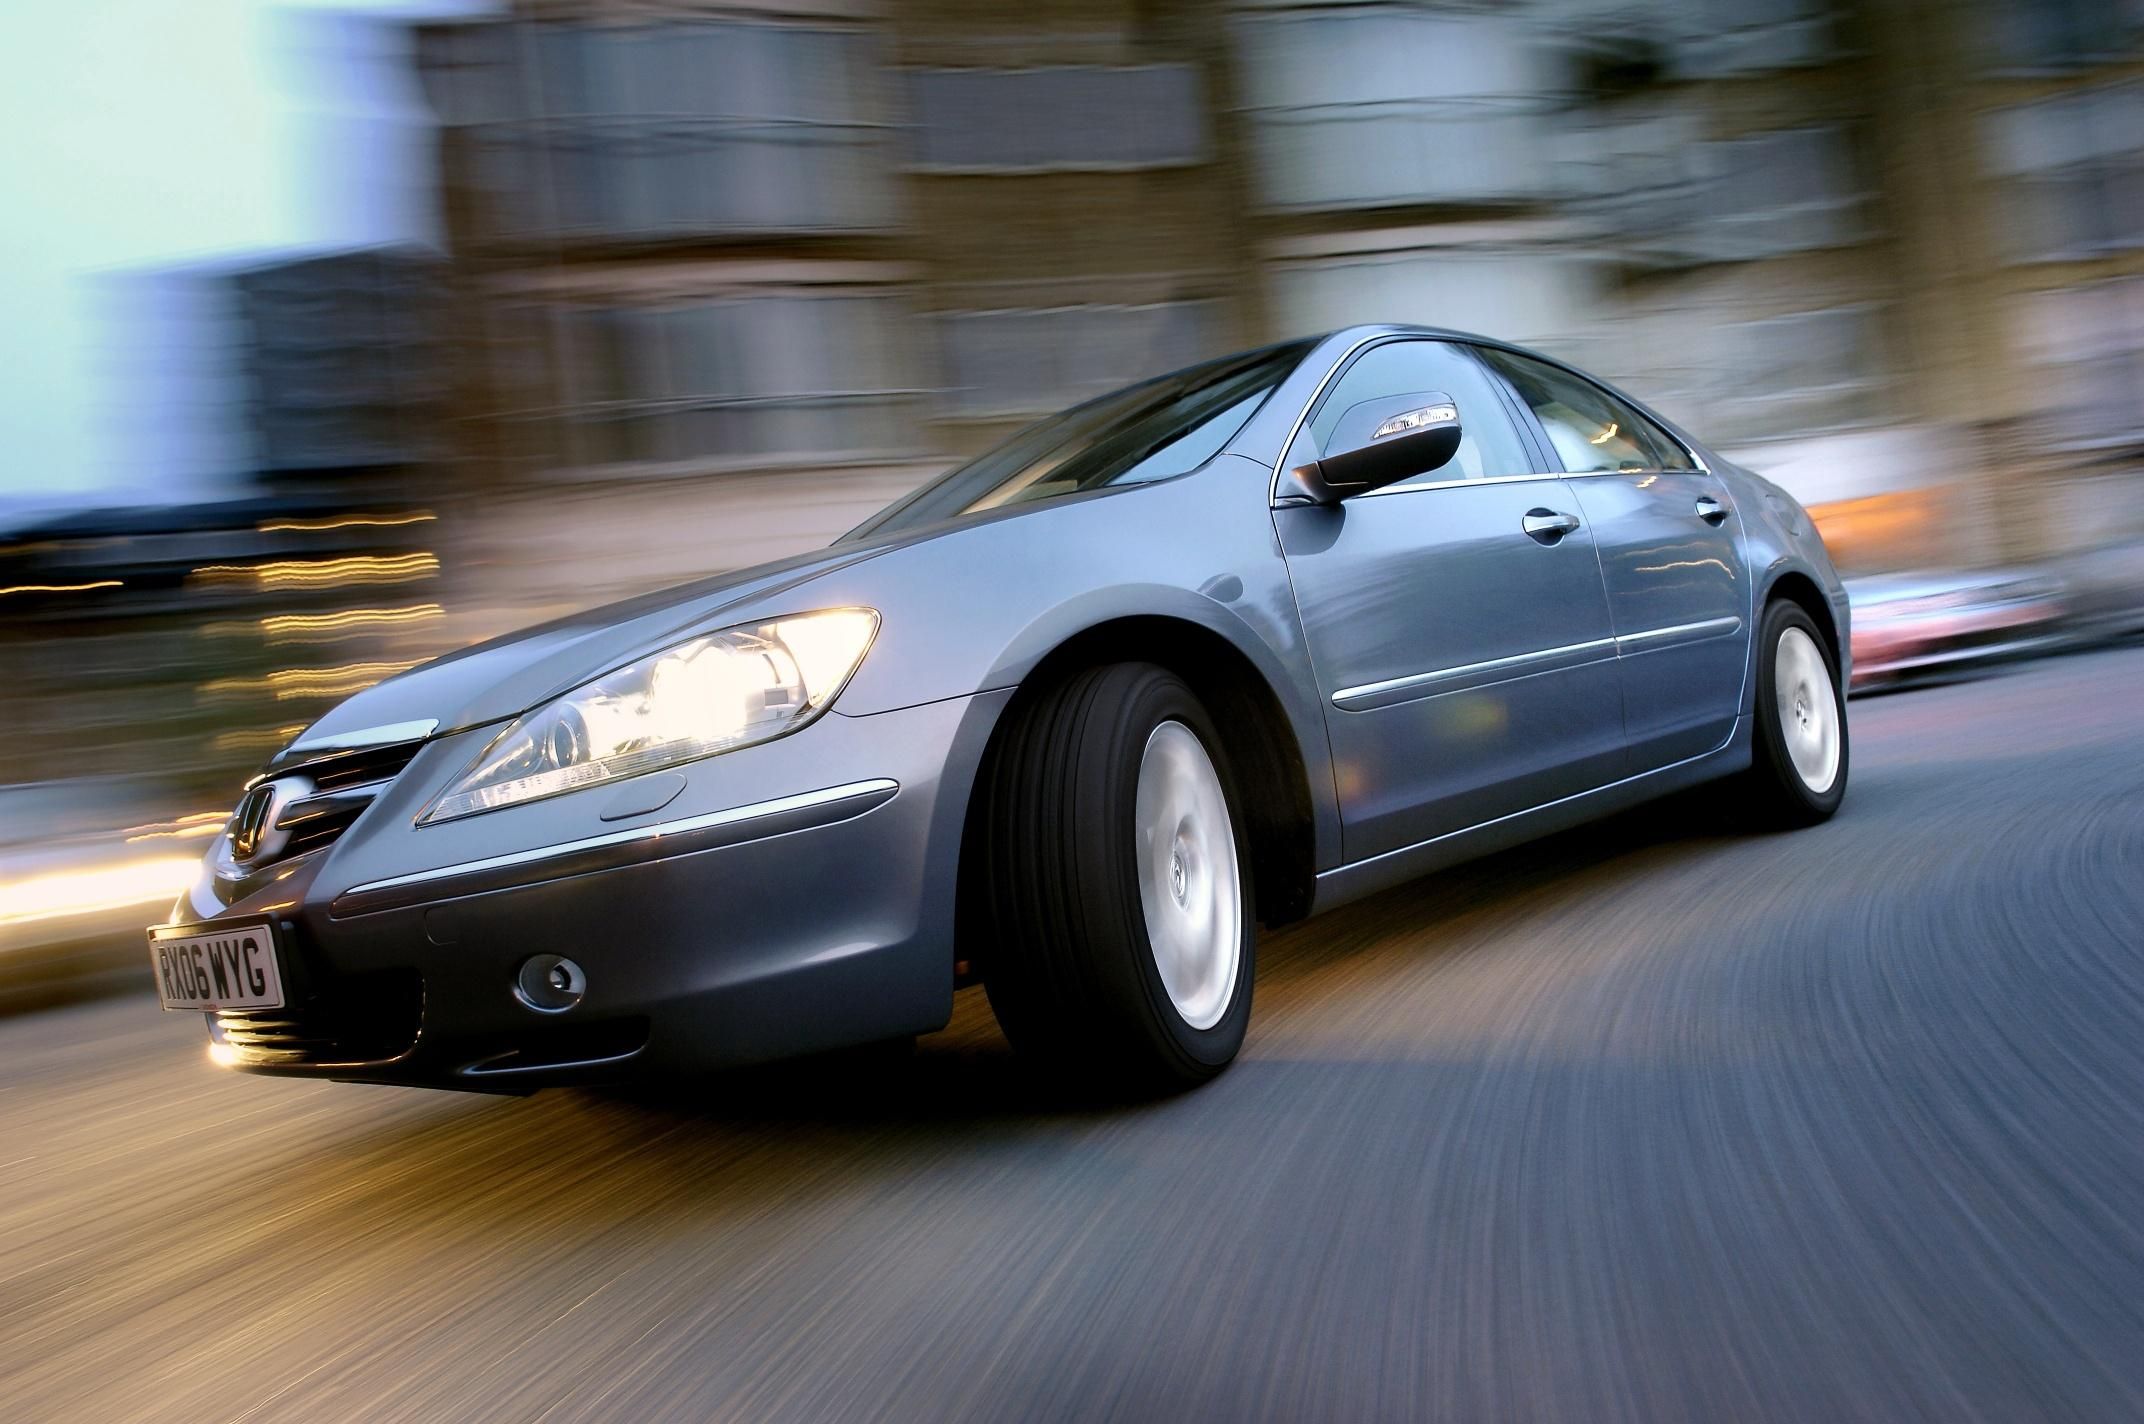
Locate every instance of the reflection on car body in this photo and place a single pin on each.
(1230, 646)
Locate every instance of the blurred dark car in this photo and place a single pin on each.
(1920, 622)
(2104, 591)
(1237, 644)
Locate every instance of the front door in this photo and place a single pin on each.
(1457, 622)
(1678, 592)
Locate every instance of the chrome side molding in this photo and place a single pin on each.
(1370, 695)
(1678, 635)
(1458, 679)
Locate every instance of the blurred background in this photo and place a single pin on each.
(338, 335)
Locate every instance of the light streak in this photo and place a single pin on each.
(348, 521)
(89, 890)
(298, 626)
(292, 683)
(61, 587)
(327, 573)
(195, 826)
(272, 739)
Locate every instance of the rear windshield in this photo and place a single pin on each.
(1167, 426)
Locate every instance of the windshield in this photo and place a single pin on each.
(1167, 426)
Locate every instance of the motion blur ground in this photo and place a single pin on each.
(1635, 1124)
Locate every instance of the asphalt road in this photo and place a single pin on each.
(1647, 1123)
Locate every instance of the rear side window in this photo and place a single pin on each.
(1490, 444)
(1592, 431)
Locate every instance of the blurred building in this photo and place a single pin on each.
(731, 275)
(169, 645)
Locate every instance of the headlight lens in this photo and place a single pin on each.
(716, 693)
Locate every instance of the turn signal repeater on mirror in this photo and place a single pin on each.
(1369, 448)
(1415, 420)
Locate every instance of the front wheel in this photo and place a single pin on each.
(1799, 772)
(1120, 946)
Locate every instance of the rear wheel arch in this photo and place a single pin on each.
(1258, 741)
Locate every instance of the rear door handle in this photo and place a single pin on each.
(1711, 510)
(1547, 526)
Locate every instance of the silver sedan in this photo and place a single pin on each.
(1230, 646)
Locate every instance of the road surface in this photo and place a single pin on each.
(1655, 1121)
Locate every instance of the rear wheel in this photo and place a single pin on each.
(1798, 776)
(1118, 885)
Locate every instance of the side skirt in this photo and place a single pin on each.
(1346, 883)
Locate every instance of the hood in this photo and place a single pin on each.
(507, 675)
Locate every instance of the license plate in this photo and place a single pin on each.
(231, 966)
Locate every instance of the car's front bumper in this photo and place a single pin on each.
(710, 934)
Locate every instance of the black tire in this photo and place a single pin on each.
(1067, 961)
(1775, 792)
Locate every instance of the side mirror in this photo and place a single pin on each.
(1381, 442)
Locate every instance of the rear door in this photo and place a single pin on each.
(1467, 665)
(1678, 593)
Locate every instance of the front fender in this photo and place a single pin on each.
(977, 606)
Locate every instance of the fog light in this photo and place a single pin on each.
(550, 984)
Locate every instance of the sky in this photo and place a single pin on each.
(147, 133)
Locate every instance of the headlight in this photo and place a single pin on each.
(716, 693)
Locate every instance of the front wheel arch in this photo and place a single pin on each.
(1802, 590)
(1257, 738)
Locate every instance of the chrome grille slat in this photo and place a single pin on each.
(347, 801)
(340, 784)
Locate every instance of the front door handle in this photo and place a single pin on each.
(1711, 510)
(1547, 526)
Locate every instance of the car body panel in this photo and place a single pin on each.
(1468, 670)
(764, 946)
(802, 892)
(1679, 601)
(1199, 549)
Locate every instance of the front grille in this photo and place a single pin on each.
(365, 1018)
(343, 786)
(307, 815)
(340, 770)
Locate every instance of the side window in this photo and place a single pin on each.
(1490, 443)
(1591, 430)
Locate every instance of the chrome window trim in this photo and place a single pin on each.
(1697, 461)
(756, 810)
(1404, 487)
(1302, 417)
(1280, 459)
(1407, 487)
